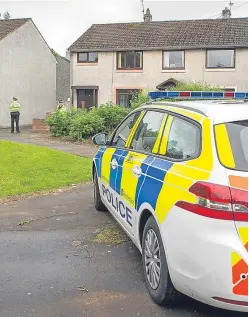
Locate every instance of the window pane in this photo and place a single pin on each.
(82, 57)
(93, 57)
(238, 137)
(183, 141)
(124, 130)
(147, 132)
(124, 96)
(138, 59)
(220, 58)
(130, 57)
(174, 59)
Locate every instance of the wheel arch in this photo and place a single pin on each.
(145, 215)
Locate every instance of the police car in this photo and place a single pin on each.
(174, 176)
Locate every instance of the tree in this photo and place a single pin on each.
(54, 52)
(6, 15)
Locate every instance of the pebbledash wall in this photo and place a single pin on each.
(28, 72)
(105, 75)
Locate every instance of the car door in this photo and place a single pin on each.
(111, 170)
(143, 144)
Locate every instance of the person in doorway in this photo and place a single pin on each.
(15, 115)
(61, 107)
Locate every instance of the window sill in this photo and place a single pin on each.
(129, 70)
(220, 70)
(173, 71)
(87, 64)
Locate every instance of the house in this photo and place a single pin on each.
(62, 78)
(110, 62)
(27, 71)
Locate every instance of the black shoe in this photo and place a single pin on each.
(12, 132)
(18, 131)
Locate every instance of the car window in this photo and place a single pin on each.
(237, 132)
(123, 131)
(147, 132)
(184, 140)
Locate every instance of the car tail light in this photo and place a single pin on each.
(217, 201)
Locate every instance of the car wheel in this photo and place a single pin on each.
(96, 194)
(155, 266)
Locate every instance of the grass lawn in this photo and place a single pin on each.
(29, 168)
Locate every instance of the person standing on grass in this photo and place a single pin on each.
(15, 115)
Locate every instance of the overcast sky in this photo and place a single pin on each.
(62, 22)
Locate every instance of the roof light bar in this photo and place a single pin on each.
(198, 95)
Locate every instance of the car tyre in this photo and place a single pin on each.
(155, 266)
(96, 194)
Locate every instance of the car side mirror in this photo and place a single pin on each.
(100, 139)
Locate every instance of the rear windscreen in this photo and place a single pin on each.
(232, 144)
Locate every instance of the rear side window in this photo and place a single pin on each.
(184, 140)
(232, 144)
(147, 132)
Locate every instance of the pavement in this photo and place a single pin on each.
(44, 139)
(61, 258)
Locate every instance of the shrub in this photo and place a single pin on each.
(112, 115)
(59, 122)
(194, 86)
(85, 124)
(139, 99)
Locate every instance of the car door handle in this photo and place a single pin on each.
(114, 163)
(136, 170)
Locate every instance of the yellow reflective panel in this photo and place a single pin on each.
(224, 149)
(164, 143)
(205, 160)
(187, 113)
(157, 143)
(106, 165)
(129, 180)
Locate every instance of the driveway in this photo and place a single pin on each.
(59, 259)
(44, 139)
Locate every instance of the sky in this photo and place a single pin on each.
(62, 22)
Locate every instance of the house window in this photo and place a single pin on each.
(130, 60)
(174, 60)
(220, 59)
(87, 57)
(124, 96)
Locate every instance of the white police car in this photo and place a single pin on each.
(174, 176)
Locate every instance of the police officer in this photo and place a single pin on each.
(61, 107)
(15, 114)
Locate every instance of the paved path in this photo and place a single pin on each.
(28, 137)
(48, 250)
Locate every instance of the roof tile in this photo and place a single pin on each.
(170, 34)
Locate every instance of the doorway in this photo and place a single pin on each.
(87, 98)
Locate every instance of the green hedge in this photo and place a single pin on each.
(79, 124)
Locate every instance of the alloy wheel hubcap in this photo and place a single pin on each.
(152, 259)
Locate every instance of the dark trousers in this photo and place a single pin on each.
(15, 118)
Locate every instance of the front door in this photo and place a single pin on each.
(85, 97)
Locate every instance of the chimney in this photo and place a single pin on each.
(147, 16)
(226, 13)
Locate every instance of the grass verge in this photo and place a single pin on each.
(28, 168)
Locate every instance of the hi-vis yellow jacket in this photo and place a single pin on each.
(15, 106)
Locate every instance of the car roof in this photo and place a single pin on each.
(218, 111)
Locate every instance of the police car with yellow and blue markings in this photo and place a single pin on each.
(174, 176)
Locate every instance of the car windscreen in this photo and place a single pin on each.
(237, 133)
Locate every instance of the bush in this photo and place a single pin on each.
(59, 122)
(86, 124)
(112, 115)
(139, 99)
(194, 86)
